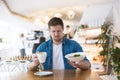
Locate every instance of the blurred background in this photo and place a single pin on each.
(30, 17)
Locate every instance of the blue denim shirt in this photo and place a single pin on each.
(68, 46)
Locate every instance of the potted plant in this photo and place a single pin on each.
(115, 56)
(103, 40)
(110, 52)
(82, 26)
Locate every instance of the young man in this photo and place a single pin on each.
(57, 47)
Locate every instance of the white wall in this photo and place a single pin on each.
(10, 28)
(10, 25)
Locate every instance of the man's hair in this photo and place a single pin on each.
(42, 39)
(55, 21)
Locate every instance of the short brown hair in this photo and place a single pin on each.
(55, 21)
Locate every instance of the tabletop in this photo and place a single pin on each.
(57, 75)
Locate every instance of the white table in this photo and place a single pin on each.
(11, 66)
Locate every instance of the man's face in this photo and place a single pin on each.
(56, 32)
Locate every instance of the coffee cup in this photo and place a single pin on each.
(41, 56)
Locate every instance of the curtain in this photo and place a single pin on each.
(96, 15)
(116, 16)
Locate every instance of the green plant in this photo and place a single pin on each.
(110, 52)
(115, 57)
(0, 40)
(82, 26)
(103, 40)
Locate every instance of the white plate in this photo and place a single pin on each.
(76, 59)
(9, 61)
(22, 61)
(43, 73)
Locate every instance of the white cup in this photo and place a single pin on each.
(41, 56)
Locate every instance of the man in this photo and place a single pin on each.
(22, 45)
(57, 47)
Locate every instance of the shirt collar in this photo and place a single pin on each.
(63, 42)
(51, 41)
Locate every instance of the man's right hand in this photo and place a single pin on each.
(35, 59)
(34, 63)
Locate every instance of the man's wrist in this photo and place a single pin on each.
(35, 63)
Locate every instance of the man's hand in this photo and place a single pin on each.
(35, 59)
(34, 63)
(81, 65)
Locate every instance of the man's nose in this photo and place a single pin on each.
(56, 33)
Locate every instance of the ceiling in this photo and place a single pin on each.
(33, 9)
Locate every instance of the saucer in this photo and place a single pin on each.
(43, 73)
